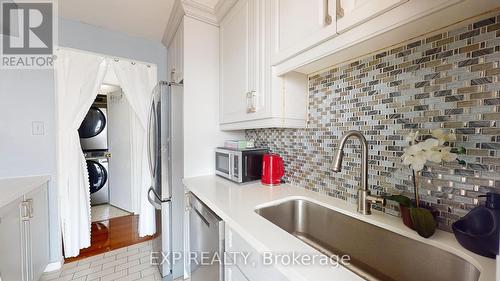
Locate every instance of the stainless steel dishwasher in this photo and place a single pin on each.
(206, 242)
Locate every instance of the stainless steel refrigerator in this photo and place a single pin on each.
(165, 155)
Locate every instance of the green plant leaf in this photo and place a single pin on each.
(401, 199)
(462, 150)
(423, 221)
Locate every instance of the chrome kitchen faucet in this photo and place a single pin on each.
(364, 198)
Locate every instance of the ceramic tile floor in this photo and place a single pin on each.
(106, 212)
(124, 264)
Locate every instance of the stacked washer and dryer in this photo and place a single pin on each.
(94, 141)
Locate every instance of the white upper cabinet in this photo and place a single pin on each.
(361, 27)
(251, 96)
(354, 12)
(241, 96)
(175, 56)
(298, 25)
(269, 47)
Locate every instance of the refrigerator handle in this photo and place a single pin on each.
(150, 161)
(152, 201)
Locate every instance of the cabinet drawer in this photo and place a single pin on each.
(252, 269)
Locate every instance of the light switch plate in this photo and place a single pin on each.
(37, 128)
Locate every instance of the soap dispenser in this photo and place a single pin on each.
(478, 231)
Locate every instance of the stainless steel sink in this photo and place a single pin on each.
(376, 253)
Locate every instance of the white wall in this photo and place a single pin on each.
(28, 95)
(201, 98)
(119, 145)
(82, 36)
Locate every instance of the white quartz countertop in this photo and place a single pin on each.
(236, 205)
(13, 188)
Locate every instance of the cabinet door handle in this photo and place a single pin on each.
(172, 75)
(249, 101)
(30, 208)
(327, 18)
(24, 210)
(252, 101)
(187, 202)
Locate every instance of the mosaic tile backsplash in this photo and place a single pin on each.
(448, 81)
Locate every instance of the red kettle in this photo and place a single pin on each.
(272, 169)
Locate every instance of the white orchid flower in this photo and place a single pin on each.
(415, 160)
(433, 156)
(415, 157)
(432, 149)
(446, 154)
(443, 137)
(452, 137)
(430, 144)
(439, 135)
(412, 137)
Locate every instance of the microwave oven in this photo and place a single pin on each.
(239, 165)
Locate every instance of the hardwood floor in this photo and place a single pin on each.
(112, 234)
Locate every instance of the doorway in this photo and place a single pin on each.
(101, 171)
(105, 140)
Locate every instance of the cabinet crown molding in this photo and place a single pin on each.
(197, 9)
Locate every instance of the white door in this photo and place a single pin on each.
(354, 12)
(298, 25)
(119, 145)
(239, 41)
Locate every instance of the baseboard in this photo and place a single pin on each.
(53, 266)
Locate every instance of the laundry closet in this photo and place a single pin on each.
(105, 140)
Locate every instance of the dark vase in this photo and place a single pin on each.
(406, 215)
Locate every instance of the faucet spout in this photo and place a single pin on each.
(337, 161)
(339, 155)
(364, 198)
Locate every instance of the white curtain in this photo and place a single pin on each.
(78, 77)
(137, 82)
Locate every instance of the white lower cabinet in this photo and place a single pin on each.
(38, 232)
(11, 256)
(233, 273)
(24, 238)
(250, 268)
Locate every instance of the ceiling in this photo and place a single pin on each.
(139, 18)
